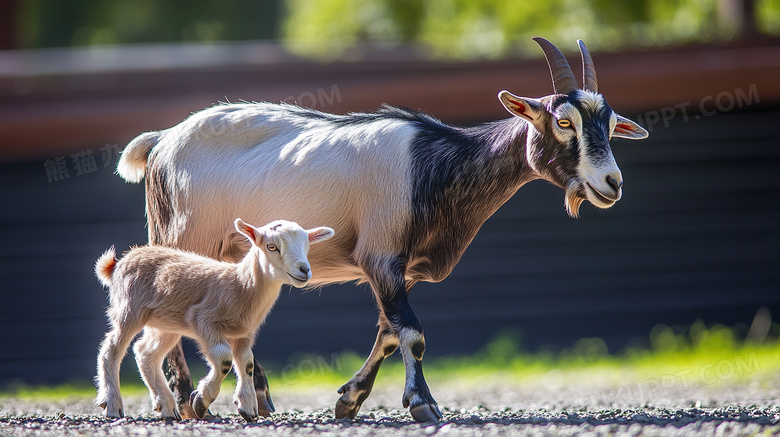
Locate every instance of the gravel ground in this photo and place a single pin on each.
(559, 405)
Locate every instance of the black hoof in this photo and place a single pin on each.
(425, 413)
(264, 404)
(248, 417)
(196, 401)
(346, 410)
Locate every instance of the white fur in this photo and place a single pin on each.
(355, 178)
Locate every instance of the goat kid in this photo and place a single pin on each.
(171, 293)
(405, 193)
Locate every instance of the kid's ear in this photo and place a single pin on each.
(626, 128)
(248, 230)
(523, 107)
(320, 234)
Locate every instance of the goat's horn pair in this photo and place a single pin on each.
(563, 78)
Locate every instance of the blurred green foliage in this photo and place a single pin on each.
(768, 12)
(495, 28)
(458, 29)
(55, 23)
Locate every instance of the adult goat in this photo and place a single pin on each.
(404, 192)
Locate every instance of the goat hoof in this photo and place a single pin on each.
(118, 414)
(425, 413)
(170, 414)
(185, 411)
(346, 410)
(264, 403)
(247, 416)
(198, 406)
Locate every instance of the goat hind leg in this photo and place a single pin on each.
(112, 350)
(180, 381)
(264, 403)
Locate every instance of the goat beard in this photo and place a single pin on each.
(574, 199)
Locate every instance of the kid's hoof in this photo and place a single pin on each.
(247, 416)
(171, 416)
(118, 414)
(425, 413)
(198, 406)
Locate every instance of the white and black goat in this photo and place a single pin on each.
(169, 293)
(404, 192)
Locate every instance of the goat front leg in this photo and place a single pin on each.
(417, 397)
(244, 367)
(398, 327)
(354, 392)
(220, 360)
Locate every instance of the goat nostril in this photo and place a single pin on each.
(304, 270)
(614, 183)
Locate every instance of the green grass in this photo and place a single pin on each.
(699, 353)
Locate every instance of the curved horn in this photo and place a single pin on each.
(589, 82)
(563, 78)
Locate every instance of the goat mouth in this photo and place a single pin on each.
(601, 196)
(304, 280)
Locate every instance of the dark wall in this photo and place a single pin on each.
(696, 236)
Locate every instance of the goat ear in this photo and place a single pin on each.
(248, 231)
(523, 107)
(319, 234)
(626, 128)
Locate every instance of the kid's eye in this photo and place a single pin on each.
(564, 123)
(272, 248)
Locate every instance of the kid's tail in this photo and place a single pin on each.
(104, 266)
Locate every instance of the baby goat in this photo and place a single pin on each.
(170, 293)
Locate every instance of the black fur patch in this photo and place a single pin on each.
(595, 128)
(159, 211)
(386, 277)
(418, 348)
(460, 178)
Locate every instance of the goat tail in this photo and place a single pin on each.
(104, 266)
(132, 163)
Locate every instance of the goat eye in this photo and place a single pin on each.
(271, 248)
(564, 123)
